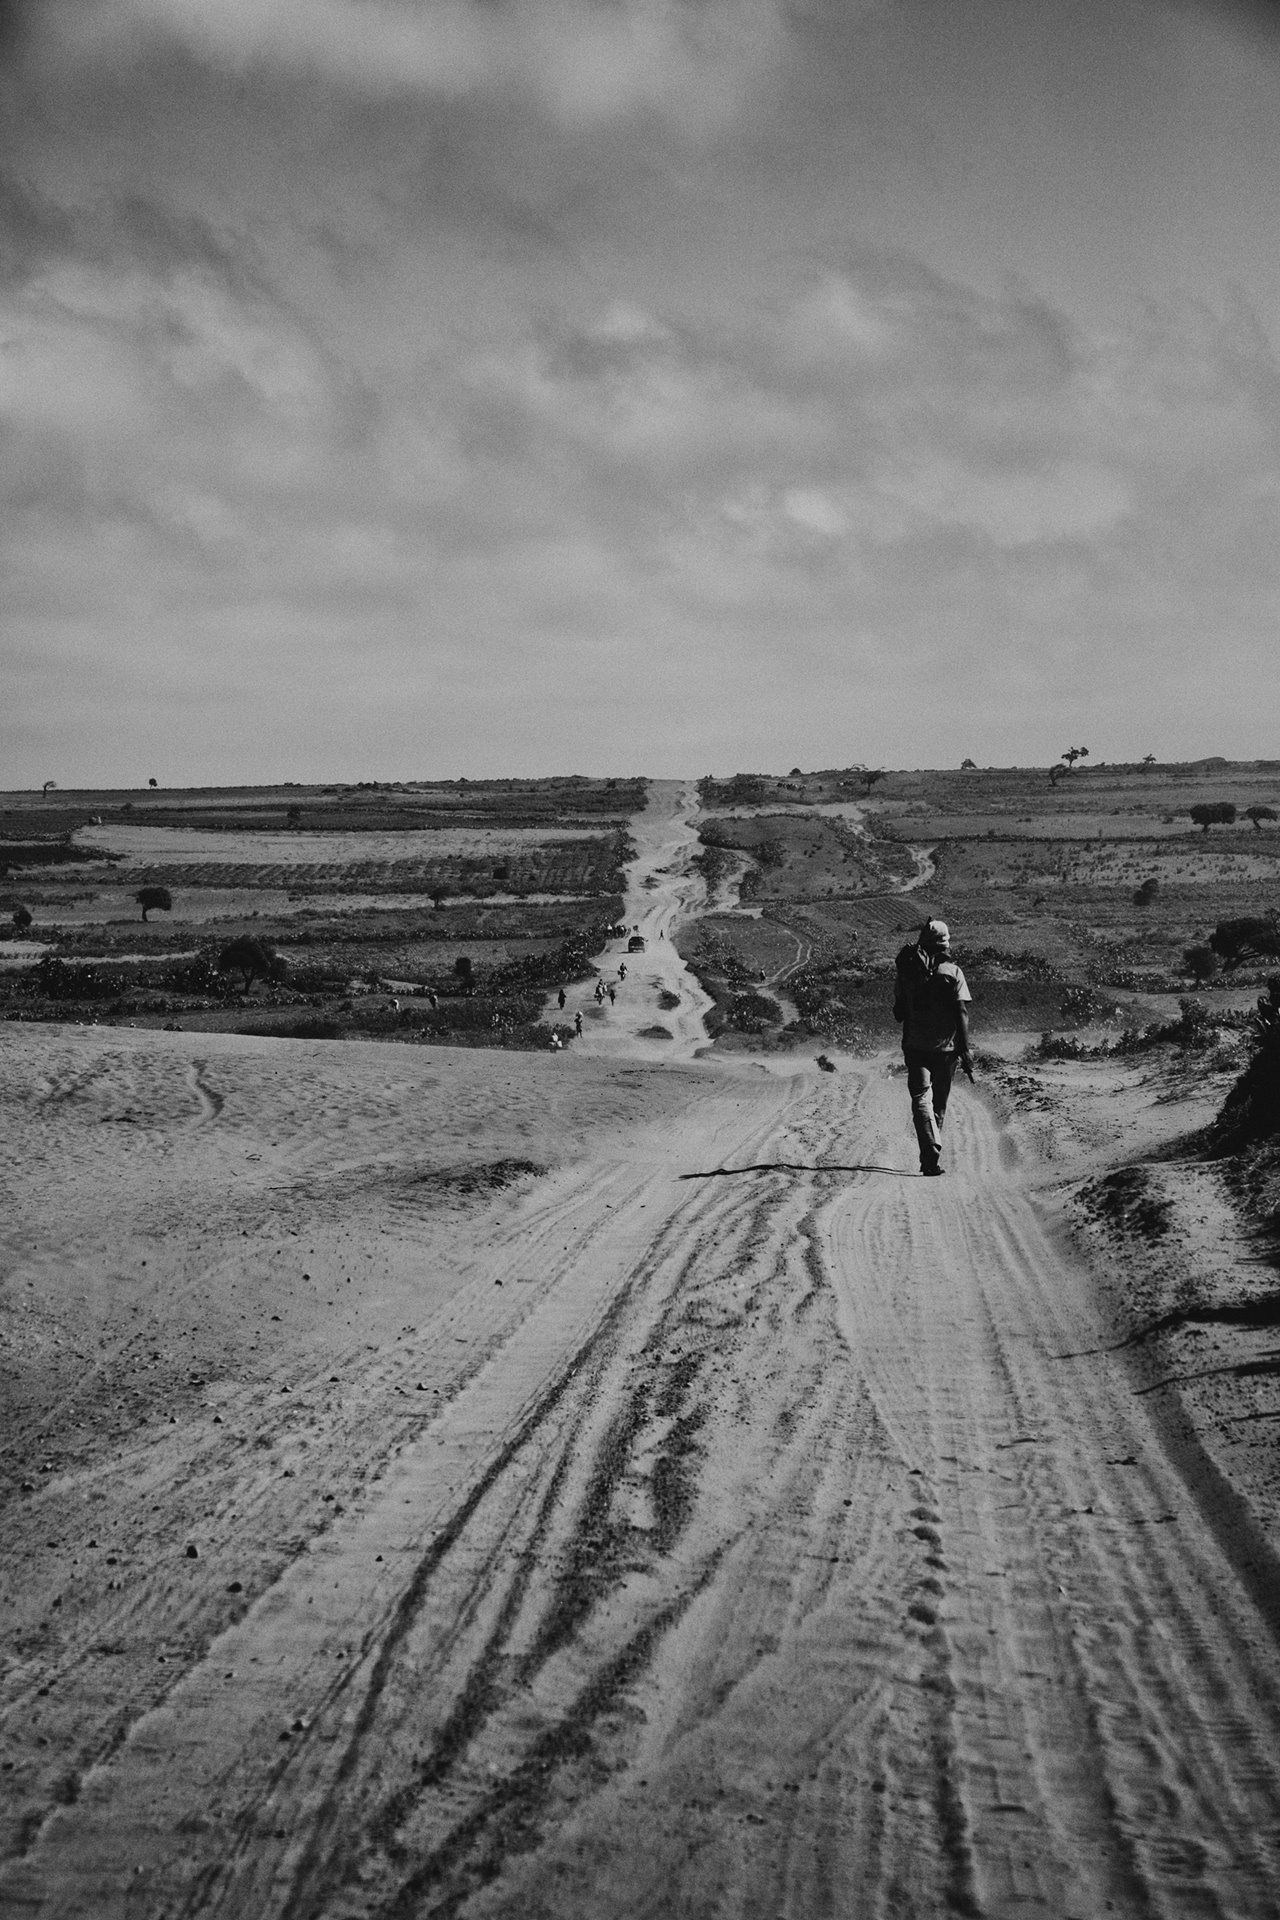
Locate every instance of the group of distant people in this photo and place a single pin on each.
(604, 989)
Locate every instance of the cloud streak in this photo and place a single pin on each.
(581, 61)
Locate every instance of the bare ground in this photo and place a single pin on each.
(615, 1488)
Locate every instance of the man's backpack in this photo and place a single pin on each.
(911, 970)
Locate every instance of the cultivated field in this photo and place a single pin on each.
(1037, 880)
(364, 895)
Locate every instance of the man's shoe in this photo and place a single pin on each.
(932, 1173)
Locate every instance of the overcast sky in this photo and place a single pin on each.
(397, 388)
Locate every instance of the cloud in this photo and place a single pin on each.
(579, 60)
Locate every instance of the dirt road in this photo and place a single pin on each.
(721, 1520)
(781, 1557)
(657, 1013)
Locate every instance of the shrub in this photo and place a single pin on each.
(22, 917)
(253, 958)
(1201, 963)
(1080, 1005)
(1258, 814)
(1213, 813)
(750, 1012)
(55, 979)
(1062, 1046)
(1195, 1027)
(1146, 893)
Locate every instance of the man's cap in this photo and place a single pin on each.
(935, 933)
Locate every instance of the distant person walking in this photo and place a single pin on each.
(560, 998)
(577, 1023)
(930, 998)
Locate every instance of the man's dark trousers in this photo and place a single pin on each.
(929, 1084)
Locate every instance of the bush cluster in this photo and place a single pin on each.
(1251, 1111)
(752, 1012)
(1195, 1029)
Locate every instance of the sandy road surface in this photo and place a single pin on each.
(776, 1558)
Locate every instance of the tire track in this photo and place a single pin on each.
(589, 1540)
(1112, 1716)
(770, 1562)
(210, 1102)
(442, 1466)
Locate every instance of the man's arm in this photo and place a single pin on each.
(962, 1036)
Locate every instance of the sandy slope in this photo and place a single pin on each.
(636, 1537)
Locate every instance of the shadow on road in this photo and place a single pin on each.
(792, 1166)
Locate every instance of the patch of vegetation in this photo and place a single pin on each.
(753, 1012)
(1130, 1200)
(1195, 1030)
(1249, 938)
(1251, 1111)
(716, 865)
(49, 853)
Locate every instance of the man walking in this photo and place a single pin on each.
(930, 999)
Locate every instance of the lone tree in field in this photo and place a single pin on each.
(154, 899)
(1258, 814)
(254, 959)
(48, 786)
(968, 766)
(22, 917)
(153, 782)
(869, 776)
(1073, 754)
(1213, 813)
(1148, 760)
(1251, 938)
(1147, 892)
